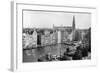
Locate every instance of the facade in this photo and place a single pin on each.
(30, 41)
(49, 38)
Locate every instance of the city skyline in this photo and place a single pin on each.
(40, 19)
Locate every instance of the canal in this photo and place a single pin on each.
(31, 55)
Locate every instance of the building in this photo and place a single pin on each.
(30, 40)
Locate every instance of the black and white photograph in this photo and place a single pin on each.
(49, 36)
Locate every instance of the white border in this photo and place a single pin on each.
(17, 64)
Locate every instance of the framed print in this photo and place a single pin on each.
(52, 36)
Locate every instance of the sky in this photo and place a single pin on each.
(42, 19)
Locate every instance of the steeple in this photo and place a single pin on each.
(73, 29)
(73, 23)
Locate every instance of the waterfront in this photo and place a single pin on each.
(56, 50)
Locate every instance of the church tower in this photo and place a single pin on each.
(73, 24)
(73, 29)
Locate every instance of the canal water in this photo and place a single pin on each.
(32, 55)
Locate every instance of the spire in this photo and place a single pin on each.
(73, 23)
(73, 29)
